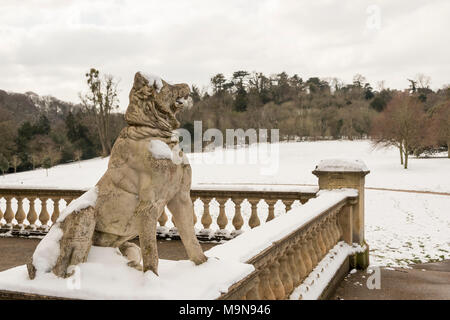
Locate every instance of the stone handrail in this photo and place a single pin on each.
(37, 221)
(29, 221)
(287, 262)
(301, 255)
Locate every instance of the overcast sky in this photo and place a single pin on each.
(46, 46)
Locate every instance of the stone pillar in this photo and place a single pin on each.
(338, 174)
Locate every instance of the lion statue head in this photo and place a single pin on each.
(153, 106)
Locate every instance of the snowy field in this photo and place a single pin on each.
(401, 227)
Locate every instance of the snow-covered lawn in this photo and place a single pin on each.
(401, 228)
(295, 163)
(405, 228)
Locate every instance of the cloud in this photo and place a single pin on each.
(49, 46)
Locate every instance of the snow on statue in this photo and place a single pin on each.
(127, 201)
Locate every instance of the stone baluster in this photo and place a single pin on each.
(332, 231)
(238, 221)
(32, 215)
(312, 250)
(265, 285)
(318, 243)
(9, 214)
(271, 204)
(163, 219)
(321, 235)
(288, 204)
(193, 199)
(20, 214)
(206, 217)
(300, 260)
(1, 216)
(253, 293)
(44, 216)
(285, 273)
(303, 199)
(56, 211)
(294, 265)
(222, 219)
(275, 280)
(305, 254)
(68, 201)
(338, 227)
(254, 221)
(326, 234)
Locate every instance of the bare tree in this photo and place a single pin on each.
(100, 101)
(54, 155)
(359, 80)
(402, 124)
(36, 159)
(423, 81)
(381, 85)
(440, 124)
(8, 133)
(15, 161)
(77, 155)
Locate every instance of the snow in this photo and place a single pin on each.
(153, 80)
(87, 199)
(297, 160)
(256, 187)
(160, 150)
(342, 165)
(254, 241)
(187, 103)
(106, 276)
(81, 176)
(47, 251)
(316, 282)
(406, 228)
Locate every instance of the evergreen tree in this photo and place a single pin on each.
(42, 126)
(240, 102)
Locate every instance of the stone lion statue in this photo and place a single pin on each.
(142, 178)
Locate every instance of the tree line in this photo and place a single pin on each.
(414, 126)
(298, 108)
(416, 120)
(87, 130)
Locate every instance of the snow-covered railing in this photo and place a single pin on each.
(23, 213)
(285, 251)
(304, 253)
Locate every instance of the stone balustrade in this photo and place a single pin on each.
(290, 252)
(28, 211)
(298, 259)
(286, 264)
